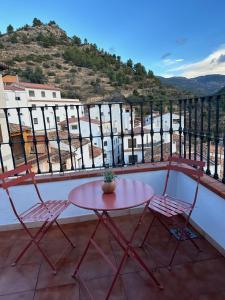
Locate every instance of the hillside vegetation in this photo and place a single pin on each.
(43, 53)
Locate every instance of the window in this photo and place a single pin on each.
(46, 106)
(132, 159)
(130, 143)
(105, 155)
(47, 119)
(42, 93)
(54, 94)
(105, 143)
(35, 120)
(18, 98)
(33, 106)
(58, 119)
(31, 93)
(71, 106)
(102, 113)
(74, 127)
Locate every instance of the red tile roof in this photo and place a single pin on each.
(36, 86)
(96, 151)
(15, 128)
(13, 88)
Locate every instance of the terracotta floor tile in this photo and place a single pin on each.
(99, 288)
(66, 292)
(18, 279)
(95, 266)
(29, 295)
(194, 275)
(46, 278)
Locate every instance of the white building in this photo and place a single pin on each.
(136, 155)
(22, 95)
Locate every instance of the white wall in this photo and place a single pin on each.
(208, 214)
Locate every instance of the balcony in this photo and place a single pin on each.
(64, 160)
(194, 275)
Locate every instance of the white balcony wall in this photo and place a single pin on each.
(208, 214)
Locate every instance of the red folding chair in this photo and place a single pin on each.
(166, 207)
(44, 212)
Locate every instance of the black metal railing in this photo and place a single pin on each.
(65, 138)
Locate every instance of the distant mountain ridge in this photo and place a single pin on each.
(199, 86)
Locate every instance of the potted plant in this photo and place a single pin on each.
(109, 184)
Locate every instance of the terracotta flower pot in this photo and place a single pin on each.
(108, 187)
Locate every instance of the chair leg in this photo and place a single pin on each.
(22, 253)
(65, 235)
(147, 233)
(46, 257)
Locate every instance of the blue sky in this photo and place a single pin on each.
(170, 37)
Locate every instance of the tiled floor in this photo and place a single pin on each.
(193, 276)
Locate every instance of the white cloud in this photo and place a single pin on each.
(170, 61)
(212, 64)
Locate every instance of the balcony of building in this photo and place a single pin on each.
(64, 160)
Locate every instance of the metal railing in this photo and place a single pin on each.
(198, 133)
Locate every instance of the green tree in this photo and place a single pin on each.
(76, 40)
(51, 23)
(10, 29)
(85, 41)
(130, 63)
(37, 22)
(34, 75)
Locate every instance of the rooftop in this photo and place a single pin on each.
(36, 86)
(193, 276)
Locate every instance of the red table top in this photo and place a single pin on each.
(128, 194)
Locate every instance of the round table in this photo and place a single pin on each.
(128, 194)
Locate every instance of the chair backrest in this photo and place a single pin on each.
(14, 177)
(187, 166)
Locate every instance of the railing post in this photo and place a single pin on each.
(216, 136)
(161, 131)
(22, 142)
(10, 137)
(91, 136)
(69, 138)
(111, 134)
(80, 137)
(202, 134)
(152, 132)
(46, 141)
(185, 126)
(101, 132)
(34, 139)
(180, 128)
(122, 133)
(195, 128)
(142, 134)
(57, 138)
(132, 133)
(171, 128)
(208, 172)
(189, 127)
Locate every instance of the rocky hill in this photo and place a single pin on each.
(44, 53)
(199, 86)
